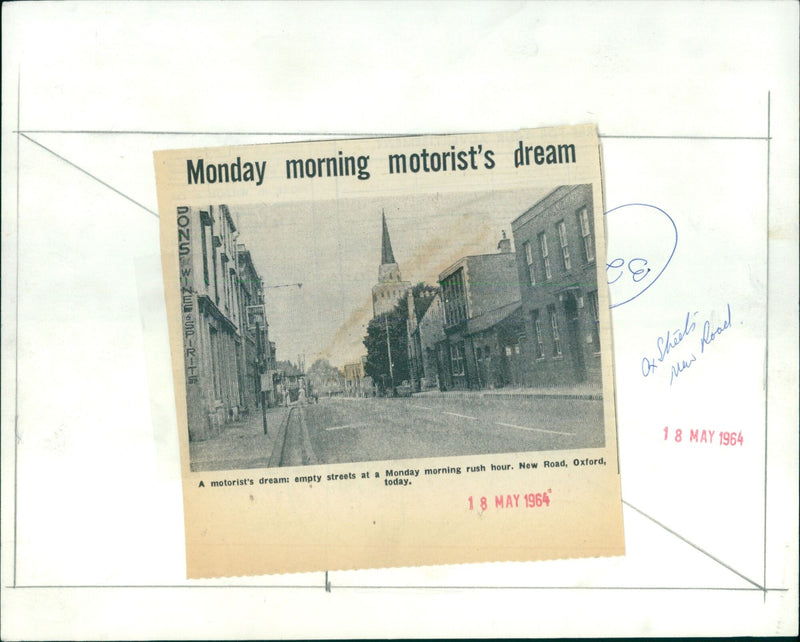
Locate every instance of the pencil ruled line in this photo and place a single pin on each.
(766, 348)
(695, 546)
(90, 175)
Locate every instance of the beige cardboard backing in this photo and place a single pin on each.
(362, 523)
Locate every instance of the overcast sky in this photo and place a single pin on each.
(334, 249)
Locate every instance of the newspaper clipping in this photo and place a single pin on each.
(391, 352)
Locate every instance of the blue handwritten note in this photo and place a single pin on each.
(649, 237)
(677, 349)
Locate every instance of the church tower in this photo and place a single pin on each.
(390, 287)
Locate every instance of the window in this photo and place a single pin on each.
(215, 362)
(457, 358)
(545, 257)
(215, 243)
(204, 242)
(455, 298)
(232, 290)
(551, 309)
(562, 238)
(595, 310)
(537, 335)
(586, 234)
(529, 261)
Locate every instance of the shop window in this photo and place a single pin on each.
(457, 359)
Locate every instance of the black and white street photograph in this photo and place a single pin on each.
(369, 329)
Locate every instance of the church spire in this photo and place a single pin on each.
(387, 256)
(390, 287)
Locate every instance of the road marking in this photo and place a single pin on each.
(308, 455)
(344, 426)
(455, 414)
(555, 432)
(411, 405)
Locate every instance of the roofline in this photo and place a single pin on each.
(513, 304)
(506, 311)
(567, 190)
(227, 213)
(471, 256)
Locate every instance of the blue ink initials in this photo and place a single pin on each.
(632, 273)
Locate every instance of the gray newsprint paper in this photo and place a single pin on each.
(391, 352)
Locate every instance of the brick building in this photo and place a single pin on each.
(557, 268)
(254, 331)
(220, 353)
(419, 300)
(356, 381)
(478, 292)
(432, 339)
(495, 340)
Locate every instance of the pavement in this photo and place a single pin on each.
(592, 393)
(243, 444)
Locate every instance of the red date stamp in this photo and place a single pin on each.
(723, 437)
(514, 500)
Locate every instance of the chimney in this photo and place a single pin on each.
(504, 245)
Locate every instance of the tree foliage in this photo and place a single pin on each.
(378, 350)
(324, 376)
(288, 368)
(323, 368)
(396, 322)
